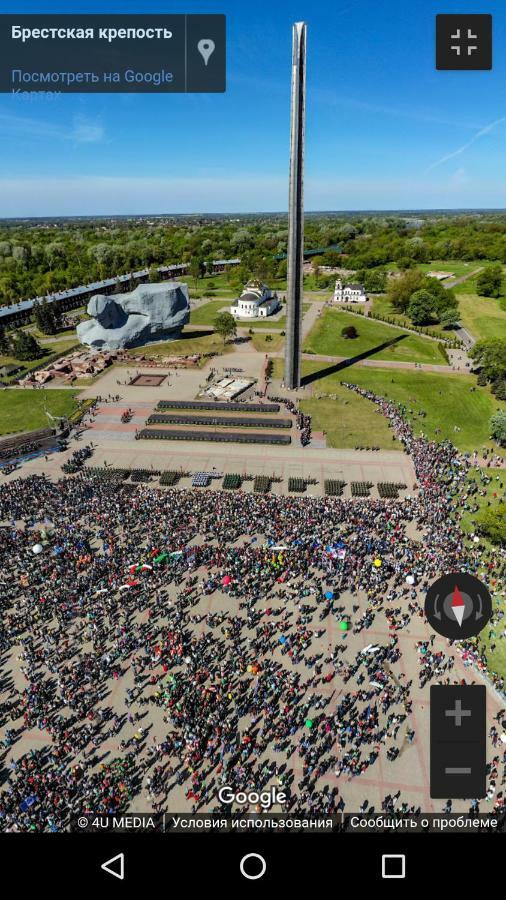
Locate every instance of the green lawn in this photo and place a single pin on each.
(186, 346)
(23, 409)
(61, 346)
(64, 334)
(497, 657)
(446, 400)
(206, 314)
(457, 266)
(349, 421)
(482, 316)
(498, 476)
(325, 339)
(261, 343)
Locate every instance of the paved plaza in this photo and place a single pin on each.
(229, 663)
(409, 773)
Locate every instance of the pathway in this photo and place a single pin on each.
(380, 363)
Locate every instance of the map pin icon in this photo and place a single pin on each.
(206, 47)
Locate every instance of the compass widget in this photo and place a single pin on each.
(458, 606)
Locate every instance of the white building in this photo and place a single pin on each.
(351, 293)
(255, 302)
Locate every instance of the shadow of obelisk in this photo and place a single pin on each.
(293, 346)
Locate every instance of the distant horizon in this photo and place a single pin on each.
(266, 212)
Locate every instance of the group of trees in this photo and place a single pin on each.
(423, 299)
(36, 260)
(492, 522)
(20, 344)
(39, 259)
(489, 282)
(498, 426)
(490, 360)
(47, 317)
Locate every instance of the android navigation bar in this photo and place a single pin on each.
(112, 53)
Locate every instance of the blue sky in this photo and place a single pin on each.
(384, 129)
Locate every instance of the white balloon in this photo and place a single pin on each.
(37, 548)
(410, 579)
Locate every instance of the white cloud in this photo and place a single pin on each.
(80, 130)
(462, 149)
(85, 131)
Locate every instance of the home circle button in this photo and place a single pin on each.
(253, 866)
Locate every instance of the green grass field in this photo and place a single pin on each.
(65, 334)
(349, 421)
(261, 343)
(186, 346)
(206, 314)
(325, 339)
(446, 400)
(496, 657)
(482, 316)
(456, 266)
(23, 409)
(498, 476)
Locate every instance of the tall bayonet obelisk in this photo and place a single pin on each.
(293, 347)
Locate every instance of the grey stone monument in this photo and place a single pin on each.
(293, 347)
(152, 312)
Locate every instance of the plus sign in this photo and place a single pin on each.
(458, 713)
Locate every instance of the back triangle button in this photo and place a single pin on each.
(115, 866)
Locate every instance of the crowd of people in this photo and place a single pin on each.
(159, 644)
(77, 460)
(18, 449)
(302, 420)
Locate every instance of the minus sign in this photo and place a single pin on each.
(456, 771)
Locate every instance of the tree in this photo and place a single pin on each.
(47, 317)
(490, 355)
(197, 269)
(282, 268)
(225, 325)
(492, 522)
(449, 318)
(400, 290)
(25, 347)
(498, 426)
(444, 298)
(499, 389)
(421, 308)
(349, 332)
(4, 340)
(489, 282)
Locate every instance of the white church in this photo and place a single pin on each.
(350, 293)
(255, 302)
